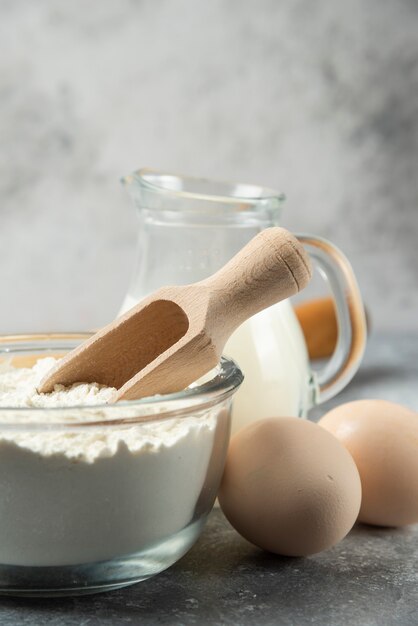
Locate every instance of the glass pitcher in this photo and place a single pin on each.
(190, 227)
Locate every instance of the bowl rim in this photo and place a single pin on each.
(191, 400)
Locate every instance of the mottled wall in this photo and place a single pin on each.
(318, 99)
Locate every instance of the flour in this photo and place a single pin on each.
(82, 493)
(18, 389)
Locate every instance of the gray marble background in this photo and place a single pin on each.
(318, 99)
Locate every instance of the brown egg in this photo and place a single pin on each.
(382, 438)
(289, 487)
(319, 325)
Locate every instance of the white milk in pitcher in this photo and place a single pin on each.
(271, 351)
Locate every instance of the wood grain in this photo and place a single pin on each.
(177, 334)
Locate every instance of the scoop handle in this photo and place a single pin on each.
(271, 267)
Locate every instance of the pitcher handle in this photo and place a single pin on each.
(336, 269)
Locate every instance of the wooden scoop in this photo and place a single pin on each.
(177, 334)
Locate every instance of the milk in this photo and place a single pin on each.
(271, 351)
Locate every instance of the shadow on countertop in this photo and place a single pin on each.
(370, 577)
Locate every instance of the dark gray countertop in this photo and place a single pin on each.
(369, 579)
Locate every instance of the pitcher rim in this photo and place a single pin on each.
(265, 196)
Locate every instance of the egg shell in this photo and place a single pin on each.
(289, 486)
(319, 325)
(382, 438)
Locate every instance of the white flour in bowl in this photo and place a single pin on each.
(18, 388)
(80, 495)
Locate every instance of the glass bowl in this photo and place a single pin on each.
(99, 497)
